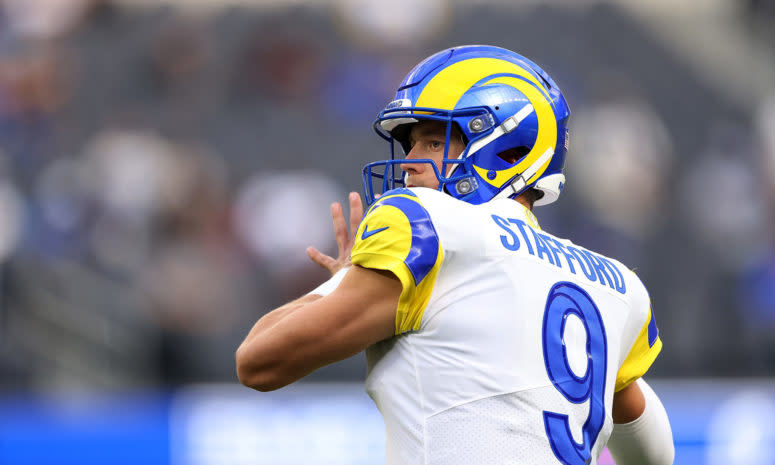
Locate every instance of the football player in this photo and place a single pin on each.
(488, 340)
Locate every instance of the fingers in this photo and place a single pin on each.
(323, 260)
(356, 214)
(344, 237)
(340, 227)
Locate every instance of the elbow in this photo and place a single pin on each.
(259, 382)
(254, 374)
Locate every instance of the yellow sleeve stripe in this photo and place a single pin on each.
(380, 201)
(414, 299)
(640, 358)
(405, 243)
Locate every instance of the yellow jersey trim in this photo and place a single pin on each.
(640, 358)
(408, 236)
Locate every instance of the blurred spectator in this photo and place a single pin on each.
(62, 206)
(756, 286)
(197, 282)
(765, 130)
(620, 160)
(184, 88)
(723, 198)
(282, 66)
(180, 51)
(354, 87)
(757, 298)
(33, 86)
(46, 19)
(372, 24)
(380, 49)
(12, 212)
(132, 177)
(278, 215)
(761, 13)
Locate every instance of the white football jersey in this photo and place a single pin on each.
(509, 342)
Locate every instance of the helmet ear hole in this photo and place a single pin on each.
(514, 154)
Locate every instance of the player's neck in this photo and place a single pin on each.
(525, 202)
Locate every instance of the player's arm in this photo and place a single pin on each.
(344, 241)
(298, 338)
(641, 434)
(358, 310)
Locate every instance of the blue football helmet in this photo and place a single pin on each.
(500, 101)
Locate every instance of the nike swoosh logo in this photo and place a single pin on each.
(366, 233)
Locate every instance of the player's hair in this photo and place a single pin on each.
(532, 195)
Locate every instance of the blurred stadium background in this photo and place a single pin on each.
(163, 166)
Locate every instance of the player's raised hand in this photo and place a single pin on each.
(344, 237)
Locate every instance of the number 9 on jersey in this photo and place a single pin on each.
(567, 299)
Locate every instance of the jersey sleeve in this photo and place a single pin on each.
(642, 353)
(397, 235)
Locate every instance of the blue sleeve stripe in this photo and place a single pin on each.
(425, 241)
(387, 195)
(653, 330)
